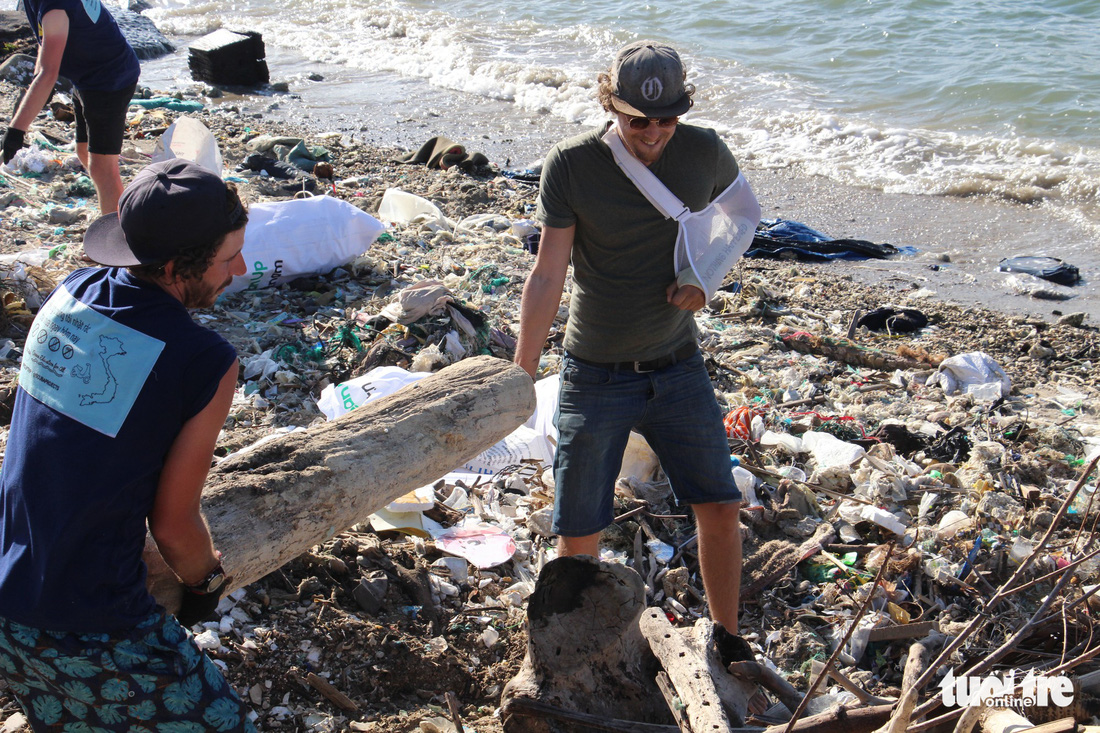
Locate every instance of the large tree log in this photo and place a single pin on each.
(1003, 720)
(267, 505)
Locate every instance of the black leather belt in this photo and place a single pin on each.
(641, 367)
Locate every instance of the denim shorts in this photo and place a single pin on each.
(673, 408)
(151, 678)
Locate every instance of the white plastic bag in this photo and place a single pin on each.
(287, 239)
(829, 451)
(542, 419)
(336, 399)
(970, 373)
(400, 207)
(189, 139)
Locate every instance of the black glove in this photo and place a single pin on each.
(13, 141)
(197, 607)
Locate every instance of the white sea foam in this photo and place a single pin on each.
(773, 112)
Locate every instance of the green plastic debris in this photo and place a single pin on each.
(82, 186)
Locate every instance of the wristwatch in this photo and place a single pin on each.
(212, 583)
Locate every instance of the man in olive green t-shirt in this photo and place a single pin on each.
(632, 360)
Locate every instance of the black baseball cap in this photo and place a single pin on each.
(169, 207)
(647, 80)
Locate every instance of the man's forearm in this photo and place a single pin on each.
(187, 549)
(537, 311)
(33, 101)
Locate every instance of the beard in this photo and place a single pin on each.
(200, 294)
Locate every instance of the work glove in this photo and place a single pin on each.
(197, 607)
(13, 141)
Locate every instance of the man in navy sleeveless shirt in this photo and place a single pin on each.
(121, 398)
(79, 39)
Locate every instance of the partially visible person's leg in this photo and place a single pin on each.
(587, 545)
(81, 132)
(683, 425)
(104, 172)
(720, 559)
(104, 116)
(597, 407)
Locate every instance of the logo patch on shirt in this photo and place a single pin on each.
(84, 365)
(93, 8)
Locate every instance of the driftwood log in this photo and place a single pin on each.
(585, 652)
(267, 505)
(712, 698)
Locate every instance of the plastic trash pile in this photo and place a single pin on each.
(945, 454)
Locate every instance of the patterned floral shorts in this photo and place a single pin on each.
(152, 679)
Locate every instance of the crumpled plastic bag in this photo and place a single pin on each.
(427, 297)
(972, 373)
(190, 139)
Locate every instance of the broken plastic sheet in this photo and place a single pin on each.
(520, 445)
(484, 545)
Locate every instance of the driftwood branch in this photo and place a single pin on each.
(770, 679)
(688, 670)
(267, 505)
(840, 720)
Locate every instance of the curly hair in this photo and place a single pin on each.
(604, 91)
(190, 264)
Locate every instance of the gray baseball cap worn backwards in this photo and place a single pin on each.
(169, 207)
(647, 80)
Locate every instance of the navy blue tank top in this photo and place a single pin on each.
(97, 56)
(112, 368)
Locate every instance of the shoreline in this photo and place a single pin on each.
(306, 616)
(962, 237)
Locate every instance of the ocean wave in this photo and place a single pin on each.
(770, 118)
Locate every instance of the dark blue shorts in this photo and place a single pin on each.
(673, 408)
(150, 679)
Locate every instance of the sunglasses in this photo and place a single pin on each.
(642, 123)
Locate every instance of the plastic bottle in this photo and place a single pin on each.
(1085, 497)
(746, 484)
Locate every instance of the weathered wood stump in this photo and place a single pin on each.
(594, 652)
(585, 651)
(267, 505)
